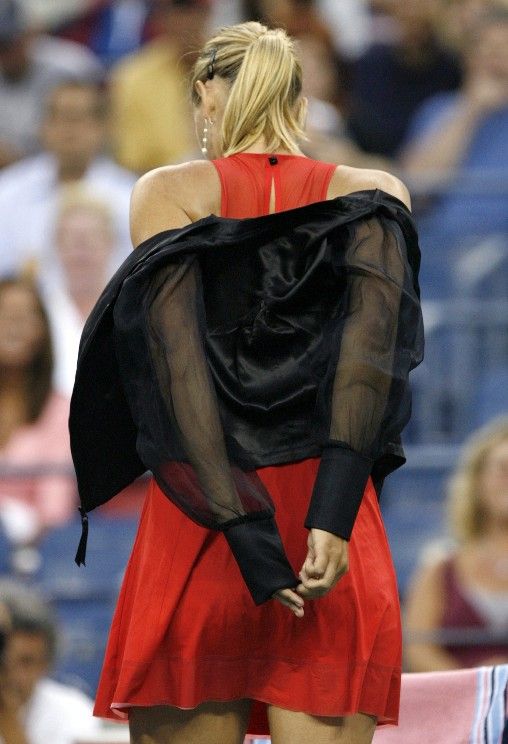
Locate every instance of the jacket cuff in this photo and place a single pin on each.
(338, 490)
(257, 548)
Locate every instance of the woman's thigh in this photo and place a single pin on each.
(209, 723)
(287, 727)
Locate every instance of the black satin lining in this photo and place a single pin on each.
(272, 308)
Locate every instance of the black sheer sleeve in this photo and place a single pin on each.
(378, 342)
(202, 481)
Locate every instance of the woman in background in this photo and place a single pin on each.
(33, 419)
(468, 589)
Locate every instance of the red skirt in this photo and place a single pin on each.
(186, 630)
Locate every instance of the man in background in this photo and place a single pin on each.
(74, 138)
(46, 711)
(30, 64)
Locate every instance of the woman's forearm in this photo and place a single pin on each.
(443, 149)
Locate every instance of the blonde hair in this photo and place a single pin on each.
(75, 197)
(466, 511)
(265, 76)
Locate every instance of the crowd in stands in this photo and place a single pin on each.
(94, 93)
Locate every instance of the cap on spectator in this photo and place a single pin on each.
(13, 22)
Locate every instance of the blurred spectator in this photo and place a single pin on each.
(31, 64)
(468, 588)
(460, 140)
(48, 15)
(49, 712)
(150, 98)
(111, 28)
(84, 243)
(73, 137)
(33, 421)
(11, 729)
(460, 17)
(350, 24)
(390, 81)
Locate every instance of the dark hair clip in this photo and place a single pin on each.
(210, 72)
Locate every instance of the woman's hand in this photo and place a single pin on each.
(289, 598)
(327, 560)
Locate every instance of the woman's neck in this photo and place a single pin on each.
(496, 534)
(85, 295)
(14, 380)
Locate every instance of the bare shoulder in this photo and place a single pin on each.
(347, 180)
(171, 197)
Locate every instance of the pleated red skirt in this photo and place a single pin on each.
(186, 630)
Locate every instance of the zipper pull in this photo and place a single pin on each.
(81, 551)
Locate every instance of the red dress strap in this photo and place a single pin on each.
(247, 180)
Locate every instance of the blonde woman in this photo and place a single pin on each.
(259, 366)
(468, 589)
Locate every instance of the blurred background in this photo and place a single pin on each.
(92, 94)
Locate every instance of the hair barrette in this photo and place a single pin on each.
(210, 72)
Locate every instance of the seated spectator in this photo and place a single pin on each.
(30, 65)
(12, 730)
(460, 17)
(33, 421)
(391, 80)
(73, 138)
(84, 241)
(467, 588)
(458, 142)
(350, 24)
(48, 712)
(111, 28)
(151, 106)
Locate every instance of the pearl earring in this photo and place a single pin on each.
(204, 139)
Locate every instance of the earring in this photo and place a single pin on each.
(204, 139)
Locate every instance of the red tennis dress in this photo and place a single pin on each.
(185, 628)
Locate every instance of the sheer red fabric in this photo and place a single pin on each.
(186, 629)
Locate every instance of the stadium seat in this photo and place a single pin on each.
(491, 397)
(412, 507)
(83, 630)
(109, 544)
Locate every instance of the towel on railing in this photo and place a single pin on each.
(467, 706)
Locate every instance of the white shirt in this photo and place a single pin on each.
(57, 714)
(28, 205)
(66, 327)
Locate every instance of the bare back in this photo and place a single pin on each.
(174, 196)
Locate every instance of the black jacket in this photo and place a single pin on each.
(230, 345)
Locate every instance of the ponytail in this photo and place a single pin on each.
(266, 83)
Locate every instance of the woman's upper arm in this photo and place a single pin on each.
(424, 600)
(394, 186)
(156, 204)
